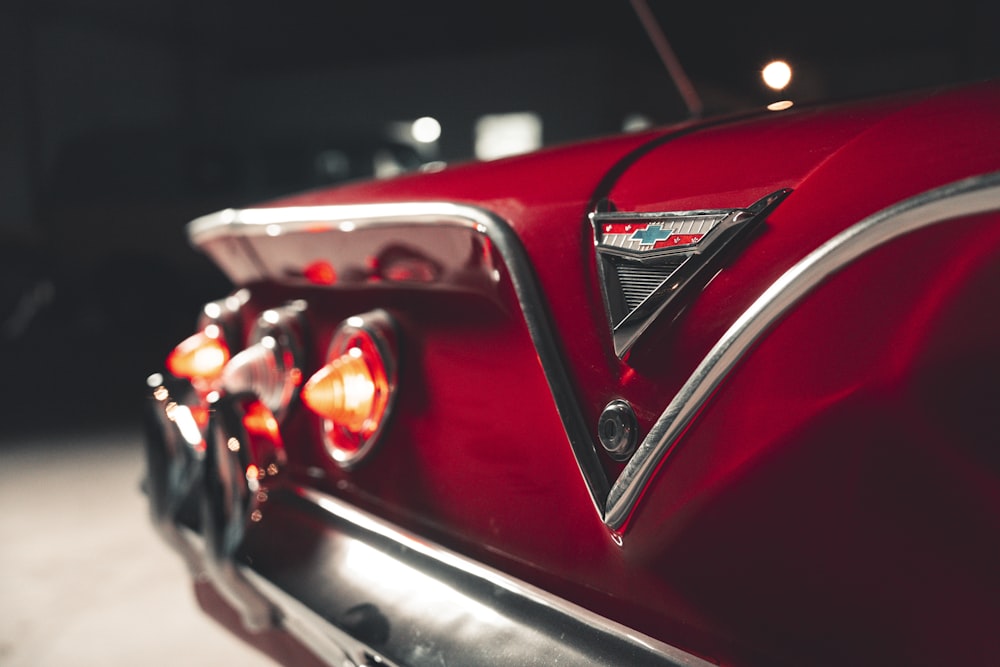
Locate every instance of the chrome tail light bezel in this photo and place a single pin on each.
(270, 366)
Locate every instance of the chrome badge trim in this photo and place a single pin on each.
(645, 259)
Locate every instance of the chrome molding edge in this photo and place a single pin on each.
(351, 218)
(971, 196)
(471, 581)
(326, 641)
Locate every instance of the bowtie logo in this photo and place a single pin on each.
(651, 234)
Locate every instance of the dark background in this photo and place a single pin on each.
(123, 119)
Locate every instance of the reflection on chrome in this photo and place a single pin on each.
(374, 571)
(253, 474)
(238, 299)
(433, 166)
(186, 424)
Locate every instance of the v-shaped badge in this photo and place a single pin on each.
(646, 259)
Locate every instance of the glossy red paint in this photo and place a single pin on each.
(852, 511)
(835, 501)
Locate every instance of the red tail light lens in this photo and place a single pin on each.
(320, 273)
(354, 391)
(258, 420)
(201, 356)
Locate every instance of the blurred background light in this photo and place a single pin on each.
(426, 130)
(777, 74)
(636, 122)
(500, 135)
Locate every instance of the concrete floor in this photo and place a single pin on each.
(84, 578)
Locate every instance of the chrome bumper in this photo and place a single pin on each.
(352, 588)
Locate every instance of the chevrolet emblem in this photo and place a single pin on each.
(645, 259)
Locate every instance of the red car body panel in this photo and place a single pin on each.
(835, 500)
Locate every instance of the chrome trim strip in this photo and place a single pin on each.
(345, 218)
(446, 569)
(326, 641)
(446, 561)
(971, 196)
(350, 218)
(270, 366)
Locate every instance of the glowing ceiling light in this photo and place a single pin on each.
(426, 130)
(777, 75)
(500, 135)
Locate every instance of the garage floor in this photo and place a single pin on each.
(84, 579)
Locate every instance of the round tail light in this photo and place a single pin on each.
(200, 357)
(354, 391)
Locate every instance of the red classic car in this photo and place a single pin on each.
(722, 392)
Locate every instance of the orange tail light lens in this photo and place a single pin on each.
(348, 392)
(201, 356)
